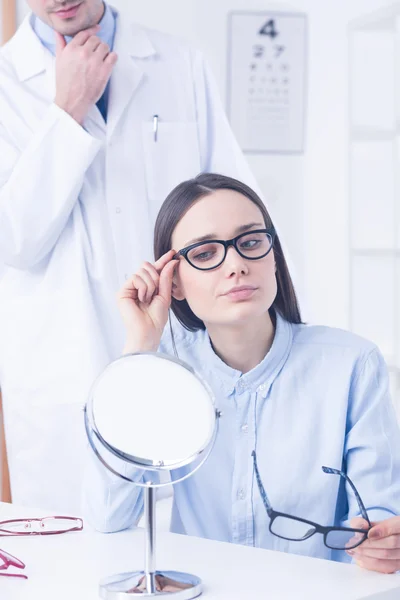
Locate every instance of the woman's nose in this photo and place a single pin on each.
(235, 263)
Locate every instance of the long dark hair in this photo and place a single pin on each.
(178, 203)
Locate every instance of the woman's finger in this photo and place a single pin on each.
(381, 566)
(390, 541)
(151, 285)
(378, 553)
(144, 284)
(164, 260)
(359, 523)
(152, 271)
(165, 285)
(128, 290)
(141, 287)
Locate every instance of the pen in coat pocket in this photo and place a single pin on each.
(155, 127)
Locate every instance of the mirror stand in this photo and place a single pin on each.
(151, 583)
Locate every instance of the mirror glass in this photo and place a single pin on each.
(154, 409)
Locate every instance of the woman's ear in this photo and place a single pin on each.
(176, 291)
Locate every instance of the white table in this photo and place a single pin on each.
(69, 566)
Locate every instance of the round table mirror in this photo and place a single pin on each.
(153, 412)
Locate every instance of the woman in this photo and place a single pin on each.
(300, 396)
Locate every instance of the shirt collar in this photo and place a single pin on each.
(30, 57)
(46, 34)
(263, 375)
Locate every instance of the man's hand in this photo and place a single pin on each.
(83, 68)
(381, 551)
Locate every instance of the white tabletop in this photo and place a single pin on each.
(69, 566)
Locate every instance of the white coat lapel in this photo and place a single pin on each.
(32, 59)
(26, 52)
(131, 43)
(34, 66)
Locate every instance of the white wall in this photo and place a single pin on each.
(307, 194)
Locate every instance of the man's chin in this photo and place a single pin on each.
(69, 28)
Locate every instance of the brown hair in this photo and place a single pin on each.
(178, 203)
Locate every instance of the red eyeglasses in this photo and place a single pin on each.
(7, 561)
(21, 527)
(44, 526)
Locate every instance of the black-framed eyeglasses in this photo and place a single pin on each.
(296, 529)
(210, 254)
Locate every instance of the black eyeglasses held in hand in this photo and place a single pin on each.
(296, 529)
(210, 254)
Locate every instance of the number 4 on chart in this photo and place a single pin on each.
(269, 29)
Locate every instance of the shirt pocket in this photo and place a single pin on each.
(170, 159)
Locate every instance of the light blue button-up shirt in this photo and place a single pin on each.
(319, 397)
(106, 33)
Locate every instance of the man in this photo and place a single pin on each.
(99, 120)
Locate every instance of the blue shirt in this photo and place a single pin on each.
(319, 397)
(106, 33)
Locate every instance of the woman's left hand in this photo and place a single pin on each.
(381, 551)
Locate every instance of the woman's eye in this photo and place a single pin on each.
(249, 244)
(204, 253)
(203, 256)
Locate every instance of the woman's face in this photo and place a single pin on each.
(222, 215)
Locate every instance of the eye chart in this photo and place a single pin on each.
(267, 80)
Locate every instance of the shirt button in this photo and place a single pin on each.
(240, 494)
(118, 210)
(244, 428)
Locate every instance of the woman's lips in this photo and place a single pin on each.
(241, 294)
(68, 13)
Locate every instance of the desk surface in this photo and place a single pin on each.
(69, 566)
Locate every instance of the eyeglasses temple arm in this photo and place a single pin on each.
(361, 506)
(263, 493)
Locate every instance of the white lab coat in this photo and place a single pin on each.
(77, 209)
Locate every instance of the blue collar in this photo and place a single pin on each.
(46, 34)
(262, 376)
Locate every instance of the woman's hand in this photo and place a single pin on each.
(144, 301)
(381, 551)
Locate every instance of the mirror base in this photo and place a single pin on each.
(172, 584)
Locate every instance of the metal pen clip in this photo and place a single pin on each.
(155, 127)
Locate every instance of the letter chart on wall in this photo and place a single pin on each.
(267, 80)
